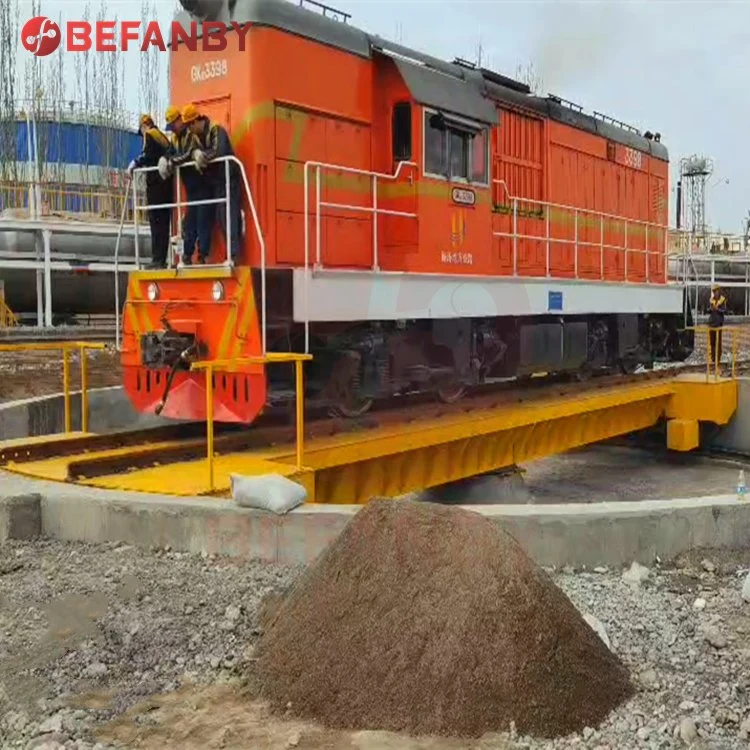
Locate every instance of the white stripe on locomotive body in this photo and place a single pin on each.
(347, 296)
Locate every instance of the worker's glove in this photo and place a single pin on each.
(165, 168)
(199, 157)
(131, 167)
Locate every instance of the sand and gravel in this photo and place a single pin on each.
(96, 642)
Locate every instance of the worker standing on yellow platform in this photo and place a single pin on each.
(717, 309)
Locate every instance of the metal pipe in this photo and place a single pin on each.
(318, 250)
(66, 390)
(47, 240)
(306, 221)
(84, 390)
(228, 215)
(210, 424)
(547, 229)
(515, 236)
(117, 262)
(575, 246)
(135, 225)
(375, 259)
(300, 390)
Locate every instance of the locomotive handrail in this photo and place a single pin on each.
(576, 241)
(373, 209)
(179, 204)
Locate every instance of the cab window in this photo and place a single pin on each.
(401, 126)
(454, 150)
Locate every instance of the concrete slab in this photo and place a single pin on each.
(590, 534)
(20, 517)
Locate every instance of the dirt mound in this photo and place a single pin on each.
(432, 620)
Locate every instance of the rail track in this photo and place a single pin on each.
(91, 456)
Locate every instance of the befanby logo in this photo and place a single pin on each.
(42, 37)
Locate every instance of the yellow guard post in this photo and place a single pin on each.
(230, 365)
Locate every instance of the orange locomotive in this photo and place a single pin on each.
(414, 224)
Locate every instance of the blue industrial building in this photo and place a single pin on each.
(81, 164)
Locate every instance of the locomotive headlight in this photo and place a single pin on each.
(217, 291)
(152, 292)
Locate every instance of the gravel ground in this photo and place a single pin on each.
(113, 647)
(31, 374)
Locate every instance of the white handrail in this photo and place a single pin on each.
(179, 204)
(117, 261)
(578, 243)
(373, 209)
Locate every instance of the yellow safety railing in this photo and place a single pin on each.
(66, 347)
(8, 318)
(719, 342)
(231, 365)
(98, 202)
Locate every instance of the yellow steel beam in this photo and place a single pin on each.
(393, 460)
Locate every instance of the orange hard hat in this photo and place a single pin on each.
(190, 113)
(172, 113)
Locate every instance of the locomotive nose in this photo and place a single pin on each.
(207, 10)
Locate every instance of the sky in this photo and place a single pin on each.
(670, 66)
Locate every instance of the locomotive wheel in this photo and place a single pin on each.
(345, 383)
(449, 392)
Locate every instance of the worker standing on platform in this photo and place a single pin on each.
(717, 309)
(214, 142)
(158, 190)
(196, 188)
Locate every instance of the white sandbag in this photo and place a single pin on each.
(268, 492)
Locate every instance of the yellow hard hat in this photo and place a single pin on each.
(190, 113)
(172, 114)
(146, 120)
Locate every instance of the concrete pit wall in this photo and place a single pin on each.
(735, 437)
(109, 409)
(611, 534)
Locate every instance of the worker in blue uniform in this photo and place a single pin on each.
(196, 188)
(213, 143)
(159, 191)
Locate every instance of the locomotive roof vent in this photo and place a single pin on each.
(205, 10)
(565, 102)
(618, 123)
(501, 80)
(335, 13)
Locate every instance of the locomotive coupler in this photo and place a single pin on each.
(170, 349)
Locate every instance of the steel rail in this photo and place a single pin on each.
(268, 431)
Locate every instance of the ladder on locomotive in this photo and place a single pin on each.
(179, 204)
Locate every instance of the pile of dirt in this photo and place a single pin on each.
(432, 620)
